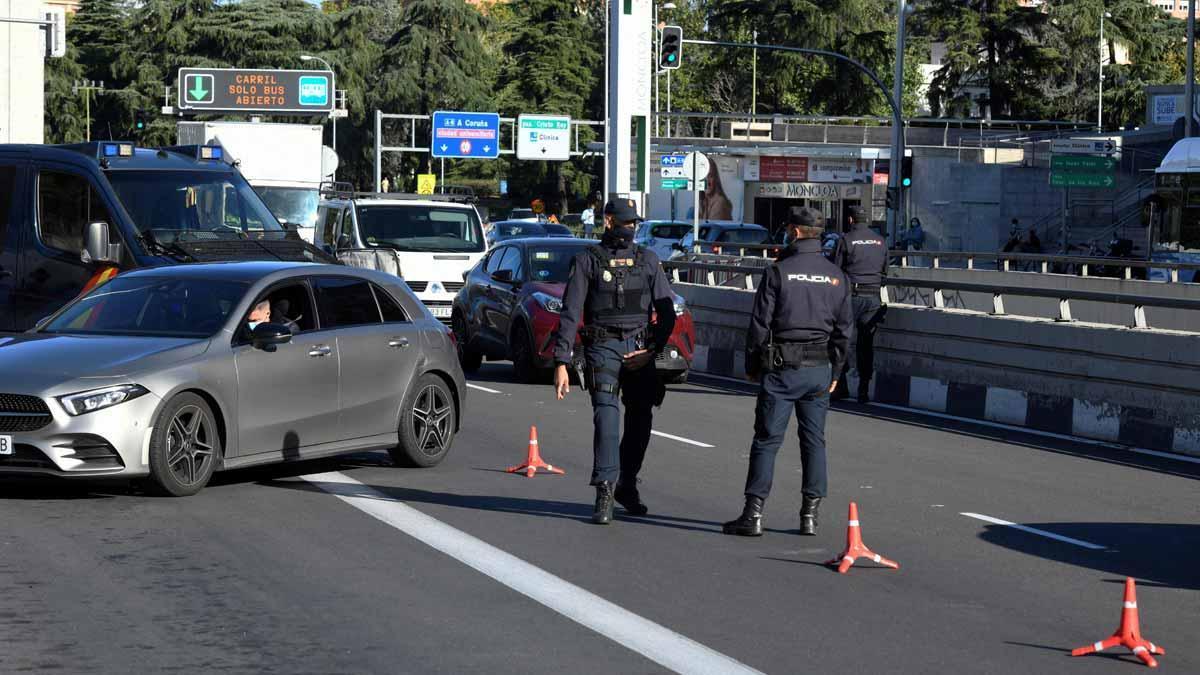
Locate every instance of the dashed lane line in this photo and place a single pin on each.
(681, 439)
(653, 641)
(1034, 530)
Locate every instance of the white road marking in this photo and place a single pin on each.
(1034, 530)
(681, 439)
(490, 391)
(657, 643)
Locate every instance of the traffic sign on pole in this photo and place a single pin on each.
(1083, 180)
(695, 164)
(465, 135)
(672, 166)
(1108, 145)
(545, 137)
(254, 90)
(1084, 163)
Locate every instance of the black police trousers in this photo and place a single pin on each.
(868, 314)
(806, 391)
(617, 458)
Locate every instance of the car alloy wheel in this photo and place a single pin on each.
(190, 446)
(432, 417)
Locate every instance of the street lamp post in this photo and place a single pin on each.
(1189, 87)
(309, 57)
(1100, 98)
(87, 87)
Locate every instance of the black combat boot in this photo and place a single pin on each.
(602, 513)
(749, 524)
(627, 496)
(864, 391)
(808, 515)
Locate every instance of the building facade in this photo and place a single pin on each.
(22, 77)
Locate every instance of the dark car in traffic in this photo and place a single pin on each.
(513, 229)
(509, 309)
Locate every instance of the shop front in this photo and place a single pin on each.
(830, 185)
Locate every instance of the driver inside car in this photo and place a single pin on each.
(260, 314)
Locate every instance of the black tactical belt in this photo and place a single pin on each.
(781, 355)
(865, 288)
(606, 333)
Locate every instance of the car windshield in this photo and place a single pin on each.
(556, 229)
(522, 213)
(151, 306)
(176, 203)
(744, 236)
(550, 264)
(410, 227)
(292, 205)
(520, 229)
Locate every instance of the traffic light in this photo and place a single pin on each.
(670, 47)
(906, 172)
(893, 199)
(140, 122)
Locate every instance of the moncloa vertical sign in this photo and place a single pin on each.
(250, 90)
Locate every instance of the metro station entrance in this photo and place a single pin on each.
(772, 212)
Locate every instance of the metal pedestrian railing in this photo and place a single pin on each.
(1041, 263)
(742, 276)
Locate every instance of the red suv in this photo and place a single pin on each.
(509, 306)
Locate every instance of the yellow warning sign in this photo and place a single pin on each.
(426, 182)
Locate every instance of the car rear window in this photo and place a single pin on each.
(551, 264)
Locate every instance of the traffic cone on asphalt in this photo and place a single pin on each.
(534, 461)
(855, 548)
(1129, 634)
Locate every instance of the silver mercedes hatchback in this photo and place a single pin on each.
(176, 372)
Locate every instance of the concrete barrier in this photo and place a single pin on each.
(1134, 387)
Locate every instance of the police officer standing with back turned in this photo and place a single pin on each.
(797, 340)
(613, 288)
(862, 255)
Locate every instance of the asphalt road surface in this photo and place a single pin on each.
(356, 566)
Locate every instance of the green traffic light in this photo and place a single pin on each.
(907, 182)
(671, 58)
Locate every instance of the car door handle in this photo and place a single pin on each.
(319, 351)
(398, 343)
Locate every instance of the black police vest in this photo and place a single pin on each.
(619, 295)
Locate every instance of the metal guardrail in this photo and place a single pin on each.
(1003, 262)
(721, 274)
(1046, 264)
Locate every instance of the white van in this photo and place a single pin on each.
(429, 240)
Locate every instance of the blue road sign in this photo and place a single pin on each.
(672, 160)
(465, 135)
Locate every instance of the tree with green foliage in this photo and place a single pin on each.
(996, 45)
(547, 68)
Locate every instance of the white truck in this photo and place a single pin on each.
(284, 163)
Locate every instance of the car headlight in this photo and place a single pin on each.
(680, 306)
(98, 399)
(548, 302)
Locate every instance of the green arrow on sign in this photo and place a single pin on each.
(198, 92)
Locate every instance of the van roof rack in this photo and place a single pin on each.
(346, 191)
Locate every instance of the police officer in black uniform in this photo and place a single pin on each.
(613, 288)
(862, 255)
(797, 340)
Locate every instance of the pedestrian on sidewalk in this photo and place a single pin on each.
(796, 343)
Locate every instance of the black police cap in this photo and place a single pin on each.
(805, 217)
(622, 210)
(858, 213)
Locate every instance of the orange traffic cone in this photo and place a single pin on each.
(855, 548)
(1129, 634)
(534, 461)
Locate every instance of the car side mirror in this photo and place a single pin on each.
(344, 242)
(266, 336)
(97, 247)
(504, 276)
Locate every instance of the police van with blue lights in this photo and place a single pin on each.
(72, 216)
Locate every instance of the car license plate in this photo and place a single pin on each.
(6, 445)
(440, 312)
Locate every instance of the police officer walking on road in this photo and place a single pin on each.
(797, 340)
(613, 288)
(862, 255)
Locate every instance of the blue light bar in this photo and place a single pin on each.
(110, 149)
(116, 149)
(214, 152)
